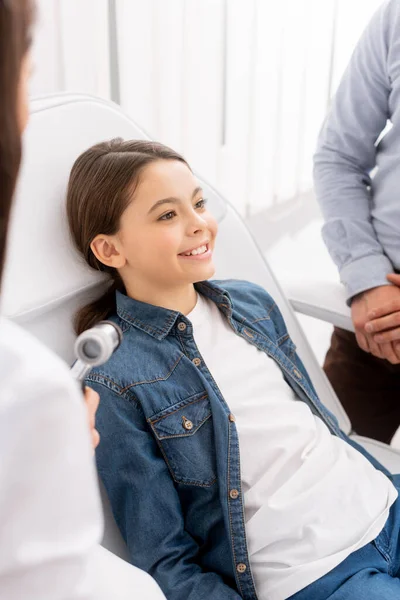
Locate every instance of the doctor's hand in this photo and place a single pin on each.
(379, 301)
(92, 400)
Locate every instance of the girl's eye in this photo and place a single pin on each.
(168, 216)
(201, 203)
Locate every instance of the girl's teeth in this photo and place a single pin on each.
(200, 250)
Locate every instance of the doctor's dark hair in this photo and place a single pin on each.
(102, 182)
(16, 18)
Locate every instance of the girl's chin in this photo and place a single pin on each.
(203, 274)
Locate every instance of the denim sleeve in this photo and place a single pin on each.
(346, 154)
(145, 503)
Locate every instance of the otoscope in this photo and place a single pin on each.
(94, 347)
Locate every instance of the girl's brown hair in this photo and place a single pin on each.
(101, 185)
(16, 17)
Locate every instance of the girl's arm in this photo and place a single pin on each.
(146, 504)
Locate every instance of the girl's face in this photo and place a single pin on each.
(166, 237)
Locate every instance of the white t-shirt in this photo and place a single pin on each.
(50, 512)
(310, 499)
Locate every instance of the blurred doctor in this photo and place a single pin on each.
(50, 513)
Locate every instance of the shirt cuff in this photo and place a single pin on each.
(365, 273)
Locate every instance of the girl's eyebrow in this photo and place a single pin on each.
(172, 200)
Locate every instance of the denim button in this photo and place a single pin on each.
(182, 326)
(232, 418)
(234, 494)
(248, 333)
(297, 374)
(196, 362)
(241, 568)
(187, 424)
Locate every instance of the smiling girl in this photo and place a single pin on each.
(226, 474)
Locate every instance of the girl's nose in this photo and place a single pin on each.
(197, 223)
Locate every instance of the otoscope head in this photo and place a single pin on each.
(96, 345)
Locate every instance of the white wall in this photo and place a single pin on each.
(239, 86)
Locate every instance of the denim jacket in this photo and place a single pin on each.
(169, 452)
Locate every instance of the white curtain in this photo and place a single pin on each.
(240, 87)
(71, 47)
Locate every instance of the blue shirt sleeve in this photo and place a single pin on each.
(346, 154)
(145, 503)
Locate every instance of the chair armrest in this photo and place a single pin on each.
(395, 443)
(309, 277)
(323, 300)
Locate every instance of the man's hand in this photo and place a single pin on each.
(92, 400)
(384, 299)
(384, 321)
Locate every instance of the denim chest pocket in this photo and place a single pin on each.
(185, 435)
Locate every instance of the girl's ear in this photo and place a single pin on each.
(106, 250)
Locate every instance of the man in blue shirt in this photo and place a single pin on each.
(357, 182)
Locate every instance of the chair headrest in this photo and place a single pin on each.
(42, 268)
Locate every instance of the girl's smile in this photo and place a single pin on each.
(202, 252)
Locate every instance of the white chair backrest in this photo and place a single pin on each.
(45, 281)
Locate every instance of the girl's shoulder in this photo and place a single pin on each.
(141, 360)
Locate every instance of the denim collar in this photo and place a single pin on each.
(158, 321)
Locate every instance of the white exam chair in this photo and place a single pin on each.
(45, 281)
